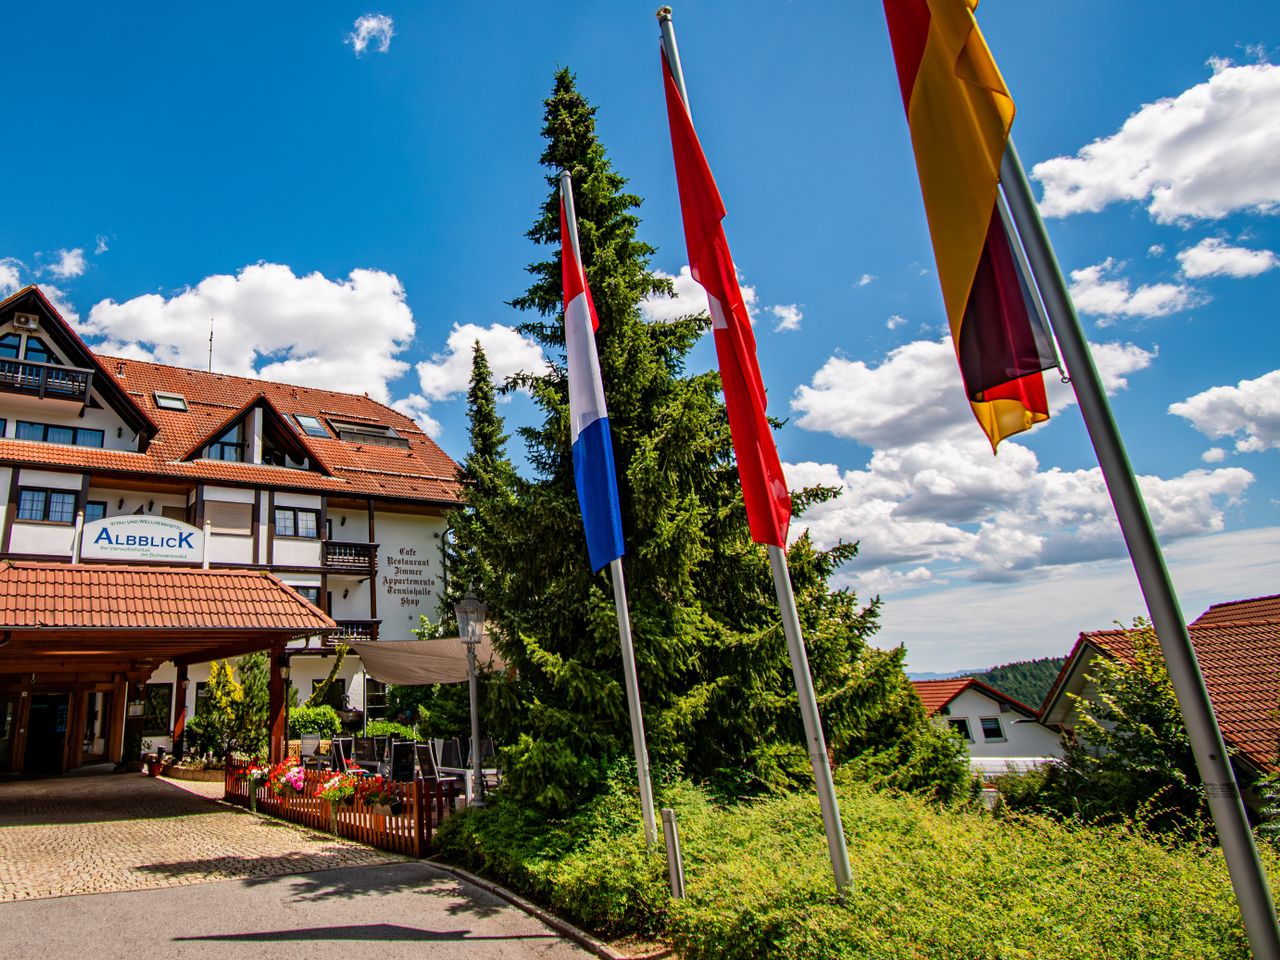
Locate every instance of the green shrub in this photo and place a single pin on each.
(928, 881)
(388, 728)
(322, 720)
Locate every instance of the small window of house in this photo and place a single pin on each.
(962, 727)
(37, 350)
(991, 729)
(229, 446)
(94, 510)
(311, 426)
(171, 401)
(376, 433)
(10, 344)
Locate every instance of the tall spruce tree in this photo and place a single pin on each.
(714, 675)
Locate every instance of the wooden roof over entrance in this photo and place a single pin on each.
(74, 619)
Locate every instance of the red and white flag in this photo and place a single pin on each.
(764, 489)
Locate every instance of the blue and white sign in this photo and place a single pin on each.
(136, 537)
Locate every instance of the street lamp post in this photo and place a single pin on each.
(470, 613)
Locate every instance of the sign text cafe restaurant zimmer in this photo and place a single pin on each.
(154, 519)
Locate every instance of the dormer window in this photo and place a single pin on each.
(10, 345)
(311, 426)
(171, 401)
(37, 350)
(229, 446)
(376, 433)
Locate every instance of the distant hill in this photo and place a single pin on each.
(1025, 680)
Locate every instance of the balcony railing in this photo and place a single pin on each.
(354, 631)
(361, 558)
(45, 380)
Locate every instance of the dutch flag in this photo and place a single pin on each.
(593, 470)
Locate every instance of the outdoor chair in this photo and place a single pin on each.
(309, 751)
(363, 751)
(450, 754)
(340, 751)
(401, 761)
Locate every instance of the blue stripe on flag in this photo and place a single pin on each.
(598, 493)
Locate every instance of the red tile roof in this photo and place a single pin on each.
(936, 694)
(1240, 660)
(99, 596)
(423, 472)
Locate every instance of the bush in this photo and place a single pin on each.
(388, 728)
(322, 720)
(928, 881)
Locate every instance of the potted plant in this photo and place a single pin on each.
(255, 775)
(381, 798)
(340, 788)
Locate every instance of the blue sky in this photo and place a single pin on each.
(349, 204)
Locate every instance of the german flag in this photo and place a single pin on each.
(960, 113)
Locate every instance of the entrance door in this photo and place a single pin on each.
(8, 727)
(46, 733)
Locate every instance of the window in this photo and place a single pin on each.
(230, 518)
(962, 727)
(95, 510)
(53, 433)
(37, 351)
(311, 426)
(335, 696)
(229, 446)
(378, 433)
(291, 522)
(157, 715)
(312, 593)
(991, 729)
(10, 344)
(170, 401)
(55, 506)
(4, 425)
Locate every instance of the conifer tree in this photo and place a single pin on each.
(714, 675)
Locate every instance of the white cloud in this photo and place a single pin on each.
(448, 373)
(372, 28)
(309, 330)
(59, 301)
(865, 279)
(416, 407)
(10, 275)
(100, 245)
(789, 317)
(1096, 290)
(1214, 455)
(689, 299)
(895, 321)
(1213, 257)
(70, 264)
(1155, 250)
(1249, 411)
(1205, 153)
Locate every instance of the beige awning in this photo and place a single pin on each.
(414, 662)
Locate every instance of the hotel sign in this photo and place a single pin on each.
(136, 537)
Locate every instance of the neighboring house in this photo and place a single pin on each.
(1001, 732)
(333, 502)
(1238, 646)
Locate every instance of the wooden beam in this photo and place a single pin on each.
(117, 705)
(275, 706)
(180, 711)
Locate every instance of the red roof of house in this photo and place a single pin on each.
(422, 472)
(100, 596)
(1238, 646)
(936, 694)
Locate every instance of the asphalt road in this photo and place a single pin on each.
(388, 911)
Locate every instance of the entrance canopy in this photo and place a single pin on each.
(78, 619)
(413, 662)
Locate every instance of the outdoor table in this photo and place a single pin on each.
(465, 773)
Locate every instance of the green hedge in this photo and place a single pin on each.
(322, 720)
(388, 728)
(928, 882)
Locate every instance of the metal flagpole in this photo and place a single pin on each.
(814, 739)
(1248, 878)
(633, 702)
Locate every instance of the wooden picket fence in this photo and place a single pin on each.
(421, 808)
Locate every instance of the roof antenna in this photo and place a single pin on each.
(211, 345)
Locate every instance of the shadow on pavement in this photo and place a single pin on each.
(365, 931)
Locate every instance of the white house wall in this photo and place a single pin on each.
(410, 570)
(1023, 736)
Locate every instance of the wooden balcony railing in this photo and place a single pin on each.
(45, 380)
(354, 631)
(361, 558)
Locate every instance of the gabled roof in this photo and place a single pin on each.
(273, 414)
(936, 694)
(71, 346)
(1240, 661)
(421, 472)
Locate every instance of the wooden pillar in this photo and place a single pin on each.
(180, 711)
(77, 712)
(275, 707)
(115, 718)
(18, 749)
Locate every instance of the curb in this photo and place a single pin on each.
(580, 937)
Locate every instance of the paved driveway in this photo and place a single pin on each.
(176, 874)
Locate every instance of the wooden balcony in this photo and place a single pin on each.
(357, 558)
(353, 631)
(46, 380)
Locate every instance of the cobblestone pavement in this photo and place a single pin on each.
(117, 832)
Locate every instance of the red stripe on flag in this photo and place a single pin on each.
(572, 276)
(908, 33)
(764, 488)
